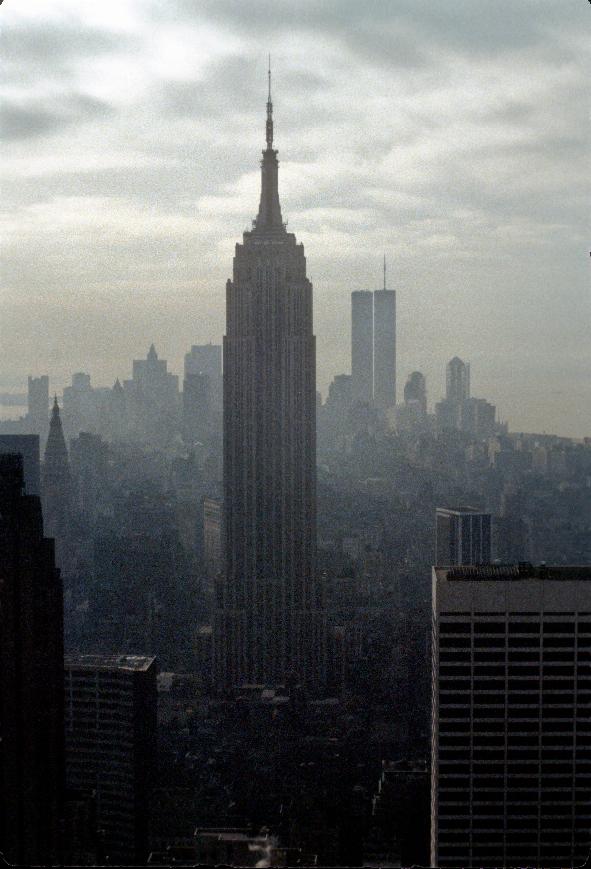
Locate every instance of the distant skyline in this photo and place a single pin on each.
(454, 137)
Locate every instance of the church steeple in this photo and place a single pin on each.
(269, 217)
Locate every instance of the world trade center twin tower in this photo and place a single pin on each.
(373, 347)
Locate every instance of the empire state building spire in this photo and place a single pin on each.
(269, 218)
(269, 112)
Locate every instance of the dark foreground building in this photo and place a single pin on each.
(110, 717)
(269, 624)
(26, 445)
(511, 739)
(31, 678)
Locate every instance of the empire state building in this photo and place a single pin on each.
(270, 623)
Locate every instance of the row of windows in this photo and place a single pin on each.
(486, 627)
(457, 802)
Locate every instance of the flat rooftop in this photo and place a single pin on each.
(110, 662)
(515, 572)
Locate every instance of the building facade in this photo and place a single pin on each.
(38, 405)
(31, 678)
(511, 716)
(270, 624)
(27, 446)
(362, 338)
(110, 726)
(457, 380)
(384, 363)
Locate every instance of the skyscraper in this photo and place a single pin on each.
(415, 389)
(110, 726)
(384, 362)
(449, 412)
(31, 678)
(28, 447)
(38, 405)
(457, 380)
(56, 480)
(206, 359)
(463, 536)
(202, 392)
(511, 724)
(362, 346)
(373, 346)
(270, 624)
(152, 399)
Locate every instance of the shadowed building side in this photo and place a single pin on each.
(31, 678)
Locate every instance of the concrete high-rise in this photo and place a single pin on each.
(511, 723)
(31, 678)
(373, 347)
(415, 390)
(457, 380)
(110, 726)
(270, 624)
(202, 393)
(462, 536)
(206, 359)
(384, 352)
(362, 346)
(38, 405)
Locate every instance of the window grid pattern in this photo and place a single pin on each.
(512, 747)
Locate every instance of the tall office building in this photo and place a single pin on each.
(31, 678)
(38, 405)
(110, 726)
(373, 347)
(362, 346)
(152, 399)
(28, 447)
(462, 536)
(384, 357)
(202, 393)
(511, 723)
(270, 624)
(206, 359)
(457, 380)
(415, 390)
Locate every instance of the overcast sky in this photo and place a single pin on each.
(451, 135)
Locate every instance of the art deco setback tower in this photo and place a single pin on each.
(270, 624)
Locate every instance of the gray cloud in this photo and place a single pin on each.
(30, 118)
(48, 49)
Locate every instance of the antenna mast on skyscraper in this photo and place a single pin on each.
(269, 112)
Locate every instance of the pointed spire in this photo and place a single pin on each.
(384, 271)
(269, 112)
(269, 217)
(152, 355)
(56, 483)
(55, 448)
